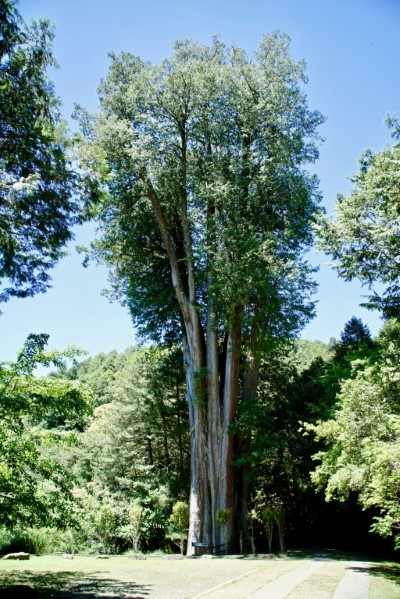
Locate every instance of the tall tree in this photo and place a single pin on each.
(37, 182)
(205, 226)
(355, 336)
(364, 237)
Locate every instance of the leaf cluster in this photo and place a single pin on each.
(34, 485)
(39, 185)
(364, 237)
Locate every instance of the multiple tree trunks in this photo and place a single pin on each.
(212, 406)
(203, 157)
(212, 409)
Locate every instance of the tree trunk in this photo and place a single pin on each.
(212, 505)
(225, 498)
(249, 387)
(200, 527)
(212, 406)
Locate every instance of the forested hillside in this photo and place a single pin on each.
(128, 465)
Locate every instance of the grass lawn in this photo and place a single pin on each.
(384, 581)
(156, 578)
(89, 578)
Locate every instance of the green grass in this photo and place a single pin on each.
(384, 581)
(88, 578)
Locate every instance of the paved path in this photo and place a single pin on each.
(355, 583)
(281, 586)
(347, 581)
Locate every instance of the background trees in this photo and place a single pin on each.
(204, 228)
(135, 452)
(361, 453)
(35, 488)
(116, 478)
(361, 436)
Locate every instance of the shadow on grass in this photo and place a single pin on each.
(319, 553)
(63, 585)
(390, 571)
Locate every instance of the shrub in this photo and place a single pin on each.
(33, 540)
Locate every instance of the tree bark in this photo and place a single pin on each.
(200, 525)
(226, 445)
(212, 406)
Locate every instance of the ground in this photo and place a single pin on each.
(324, 575)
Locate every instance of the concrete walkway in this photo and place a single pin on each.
(281, 586)
(355, 583)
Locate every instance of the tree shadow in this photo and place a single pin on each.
(390, 571)
(319, 553)
(64, 585)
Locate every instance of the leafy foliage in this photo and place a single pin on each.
(362, 439)
(355, 337)
(142, 434)
(39, 187)
(279, 456)
(33, 540)
(306, 352)
(188, 118)
(134, 455)
(99, 372)
(133, 530)
(364, 238)
(180, 523)
(34, 486)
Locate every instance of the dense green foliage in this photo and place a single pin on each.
(41, 194)
(306, 352)
(133, 458)
(362, 439)
(122, 461)
(364, 237)
(206, 124)
(34, 485)
(129, 465)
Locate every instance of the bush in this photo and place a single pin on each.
(34, 540)
(6, 538)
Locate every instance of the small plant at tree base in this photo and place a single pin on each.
(280, 517)
(180, 523)
(222, 517)
(70, 541)
(272, 514)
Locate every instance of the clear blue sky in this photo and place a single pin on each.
(352, 51)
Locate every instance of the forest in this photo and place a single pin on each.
(221, 428)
